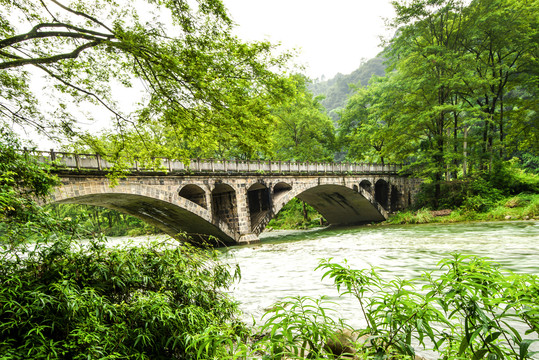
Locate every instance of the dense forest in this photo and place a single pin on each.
(453, 97)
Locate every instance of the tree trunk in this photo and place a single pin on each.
(464, 152)
(305, 213)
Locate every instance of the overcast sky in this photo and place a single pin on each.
(333, 36)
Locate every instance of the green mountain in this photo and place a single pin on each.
(338, 89)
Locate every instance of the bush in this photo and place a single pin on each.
(296, 215)
(22, 181)
(454, 195)
(469, 310)
(481, 192)
(530, 163)
(61, 301)
(511, 179)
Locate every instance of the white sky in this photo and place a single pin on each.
(332, 35)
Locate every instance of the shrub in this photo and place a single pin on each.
(469, 310)
(77, 302)
(510, 179)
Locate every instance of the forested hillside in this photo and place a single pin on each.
(337, 90)
(461, 100)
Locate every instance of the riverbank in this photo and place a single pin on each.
(520, 207)
(295, 216)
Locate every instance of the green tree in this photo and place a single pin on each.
(428, 55)
(366, 128)
(303, 130)
(502, 39)
(462, 76)
(197, 76)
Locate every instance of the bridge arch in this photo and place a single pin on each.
(166, 210)
(224, 205)
(195, 194)
(381, 193)
(259, 204)
(339, 204)
(281, 187)
(366, 185)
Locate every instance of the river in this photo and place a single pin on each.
(283, 263)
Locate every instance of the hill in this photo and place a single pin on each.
(337, 90)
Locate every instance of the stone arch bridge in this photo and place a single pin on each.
(231, 202)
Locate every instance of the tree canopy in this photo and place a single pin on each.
(304, 131)
(459, 95)
(195, 74)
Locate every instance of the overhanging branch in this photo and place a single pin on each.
(52, 34)
(51, 59)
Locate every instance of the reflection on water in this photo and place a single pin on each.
(283, 263)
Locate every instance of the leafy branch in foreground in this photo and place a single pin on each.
(468, 309)
(473, 310)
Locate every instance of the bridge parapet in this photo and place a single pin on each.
(76, 162)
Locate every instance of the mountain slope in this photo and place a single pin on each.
(337, 90)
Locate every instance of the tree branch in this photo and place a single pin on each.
(48, 60)
(54, 34)
(82, 14)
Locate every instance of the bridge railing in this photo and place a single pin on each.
(72, 161)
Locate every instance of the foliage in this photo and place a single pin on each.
(303, 131)
(520, 207)
(197, 78)
(422, 216)
(295, 128)
(95, 220)
(472, 194)
(479, 193)
(511, 179)
(298, 328)
(63, 300)
(469, 310)
(530, 163)
(296, 215)
(23, 182)
(22, 178)
(366, 128)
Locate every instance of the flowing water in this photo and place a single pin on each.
(283, 263)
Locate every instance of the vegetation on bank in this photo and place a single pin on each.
(519, 207)
(296, 214)
(61, 299)
(510, 192)
(96, 220)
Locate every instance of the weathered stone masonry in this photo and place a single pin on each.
(235, 208)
